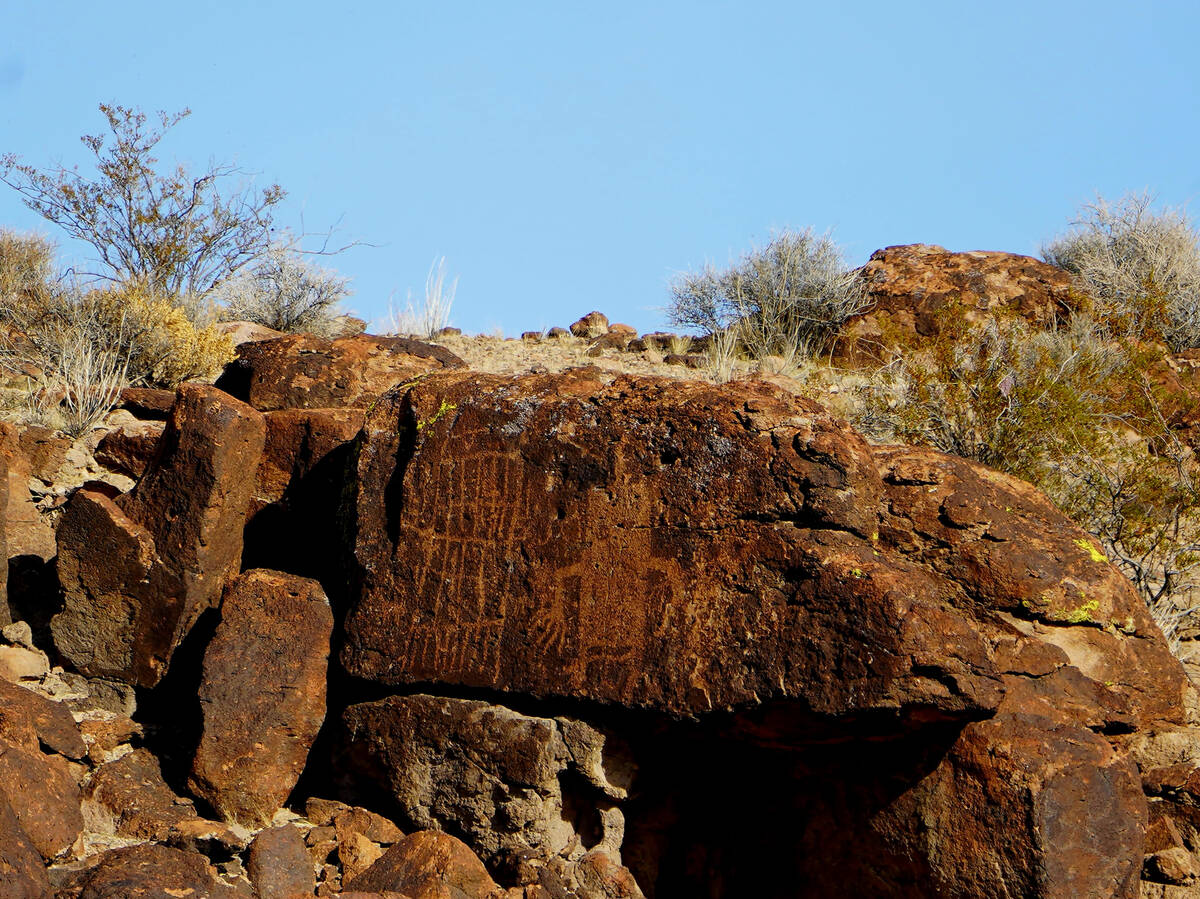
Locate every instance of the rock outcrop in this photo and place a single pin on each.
(698, 551)
(305, 372)
(138, 570)
(913, 289)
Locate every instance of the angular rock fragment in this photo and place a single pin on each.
(32, 721)
(129, 449)
(279, 865)
(44, 797)
(148, 871)
(263, 694)
(301, 371)
(131, 798)
(138, 571)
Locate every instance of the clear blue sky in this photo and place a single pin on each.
(567, 157)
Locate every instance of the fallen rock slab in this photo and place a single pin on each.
(263, 694)
(43, 795)
(279, 865)
(148, 871)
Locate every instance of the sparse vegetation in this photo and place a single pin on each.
(286, 292)
(177, 232)
(432, 314)
(789, 299)
(1138, 270)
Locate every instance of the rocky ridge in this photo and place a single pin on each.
(371, 623)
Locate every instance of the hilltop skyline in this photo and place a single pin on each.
(561, 163)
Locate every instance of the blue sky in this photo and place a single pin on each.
(565, 157)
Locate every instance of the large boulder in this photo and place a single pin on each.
(915, 289)
(43, 795)
(138, 570)
(696, 551)
(263, 694)
(302, 371)
(147, 871)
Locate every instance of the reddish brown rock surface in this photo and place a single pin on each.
(33, 722)
(912, 287)
(22, 874)
(129, 449)
(44, 796)
(279, 865)
(263, 694)
(429, 865)
(148, 871)
(138, 571)
(301, 371)
(690, 549)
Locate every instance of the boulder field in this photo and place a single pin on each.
(369, 623)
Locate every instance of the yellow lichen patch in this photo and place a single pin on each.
(1084, 612)
(1090, 548)
(443, 409)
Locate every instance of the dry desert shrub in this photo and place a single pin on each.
(789, 299)
(431, 314)
(285, 292)
(1138, 270)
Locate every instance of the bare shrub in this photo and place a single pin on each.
(789, 299)
(286, 292)
(1140, 269)
(179, 232)
(432, 314)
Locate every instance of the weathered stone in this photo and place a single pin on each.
(357, 854)
(482, 771)
(7, 451)
(22, 873)
(1175, 866)
(148, 871)
(129, 449)
(591, 325)
(148, 402)
(28, 532)
(279, 865)
(139, 570)
(263, 694)
(32, 721)
(558, 333)
(45, 449)
(129, 797)
(105, 732)
(322, 811)
(375, 828)
(428, 865)
(20, 664)
(43, 795)
(246, 332)
(301, 371)
(690, 549)
(913, 289)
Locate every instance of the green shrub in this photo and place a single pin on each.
(789, 299)
(1138, 270)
